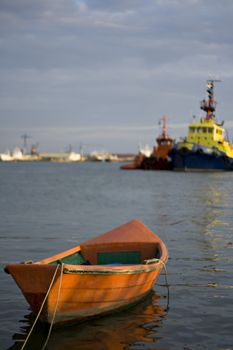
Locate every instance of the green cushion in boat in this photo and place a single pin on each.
(74, 259)
(132, 257)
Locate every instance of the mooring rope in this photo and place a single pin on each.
(167, 285)
(152, 261)
(41, 308)
(55, 310)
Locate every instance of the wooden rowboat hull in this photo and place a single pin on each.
(83, 291)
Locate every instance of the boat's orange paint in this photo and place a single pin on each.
(159, 158)
(84, 291)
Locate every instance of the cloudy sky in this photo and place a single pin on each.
(101, 73)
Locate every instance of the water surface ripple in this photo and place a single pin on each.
(48, 207)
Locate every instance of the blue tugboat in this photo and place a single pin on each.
(205, 147)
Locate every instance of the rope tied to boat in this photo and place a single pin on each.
(42, 305)
(154, 260)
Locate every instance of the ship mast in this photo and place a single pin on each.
(164, 127)
(164, 137)
(209, 105)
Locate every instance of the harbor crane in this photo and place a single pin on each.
(25, 137)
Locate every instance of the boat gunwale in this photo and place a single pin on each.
(148, 265)
(117, 269)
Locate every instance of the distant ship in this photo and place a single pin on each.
(15, 155)
(205, 147)
(158, 159)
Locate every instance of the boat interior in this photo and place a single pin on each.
(107, 254)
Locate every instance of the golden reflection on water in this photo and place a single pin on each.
(214, 199)
(138, 324)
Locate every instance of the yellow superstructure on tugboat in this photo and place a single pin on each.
(205, 147)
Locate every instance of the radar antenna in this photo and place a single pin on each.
(209, 105)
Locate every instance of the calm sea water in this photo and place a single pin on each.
(49, 207)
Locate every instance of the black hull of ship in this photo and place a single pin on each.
(197, 161)
(153, 163)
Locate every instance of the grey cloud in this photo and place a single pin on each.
(66, 63)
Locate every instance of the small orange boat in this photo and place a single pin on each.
(99, 276)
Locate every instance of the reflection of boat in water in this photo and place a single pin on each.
(140, 324)
(205, 147)
(104, 274)
(158, 159)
